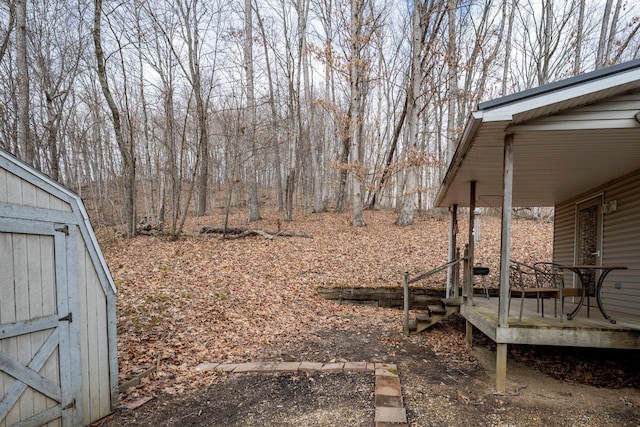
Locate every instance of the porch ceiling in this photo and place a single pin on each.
(569, 138)
(550, 166)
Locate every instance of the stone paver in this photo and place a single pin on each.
(310, 367)
(267, 367)
(207, 366)
(332, 367)
(289, 367)
(390, 415)
(244, 368)
(355, 366)
(388, 386)
(226, 367)
(388, 401)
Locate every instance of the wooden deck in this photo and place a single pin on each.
(583, 331)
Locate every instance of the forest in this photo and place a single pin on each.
(156, 110)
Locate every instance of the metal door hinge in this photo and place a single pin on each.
(63, 229)
(71, 405)
(67, 318)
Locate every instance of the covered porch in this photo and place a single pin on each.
(573, 145)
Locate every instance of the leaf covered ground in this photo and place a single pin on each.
(200, 299)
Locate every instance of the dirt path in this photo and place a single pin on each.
(455, 389)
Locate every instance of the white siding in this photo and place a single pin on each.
(621, 241)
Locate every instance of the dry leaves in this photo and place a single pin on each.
(199, 299)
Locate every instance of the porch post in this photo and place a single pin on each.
(505, 255)
(453, 231)
(505, 249)
(468, 285)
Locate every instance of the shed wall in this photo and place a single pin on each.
(620, 244)
(88, 283)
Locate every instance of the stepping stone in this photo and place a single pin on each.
(226, 367)
(290, 367)
(332, 367)
(389, 401)
(244, 368)
(355, 366)
(309, 367)
(207, 366)
(388, 386)
(390, 415)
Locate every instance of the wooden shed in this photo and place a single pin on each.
(573, 145)
(58, 355)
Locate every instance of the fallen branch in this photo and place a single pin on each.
(238, 233)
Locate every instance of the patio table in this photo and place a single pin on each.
(580, 270)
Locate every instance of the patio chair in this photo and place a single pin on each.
(522, 281)
(548, 275)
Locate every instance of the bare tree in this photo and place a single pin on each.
(250, 131)
(23, 135)
(126, 148)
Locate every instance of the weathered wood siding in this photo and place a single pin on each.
(620, 244)
(32, 197)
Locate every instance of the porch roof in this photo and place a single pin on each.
(568, 139)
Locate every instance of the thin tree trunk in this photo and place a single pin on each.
(250, 135)
(23, 135)
(128, 160)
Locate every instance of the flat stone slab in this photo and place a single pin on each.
(390, 415)
(207, 366)
(389, 401)
(309, 366)
(226, 367)
(332, 367)
(355, 366)
(244, 368)
(388, 386)
(290, 367)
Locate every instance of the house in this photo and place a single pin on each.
(58, 355)
(573, 145)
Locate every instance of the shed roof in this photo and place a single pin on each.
(569, 137)
(79, 213)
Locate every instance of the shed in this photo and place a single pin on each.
(58, 355)
(573, 145)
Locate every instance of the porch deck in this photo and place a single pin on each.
(583, 331)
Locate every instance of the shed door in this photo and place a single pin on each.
(36, 385)
(588, 237)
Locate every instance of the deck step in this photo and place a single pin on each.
(423, 317)
(436, 309)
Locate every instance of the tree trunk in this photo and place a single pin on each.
(356, 80)
(128, 160)
(250, 135)
(23, 135)
(415, 78)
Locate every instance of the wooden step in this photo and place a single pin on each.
(436, 309)
(423, 317)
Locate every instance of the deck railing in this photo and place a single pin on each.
(455, 264)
